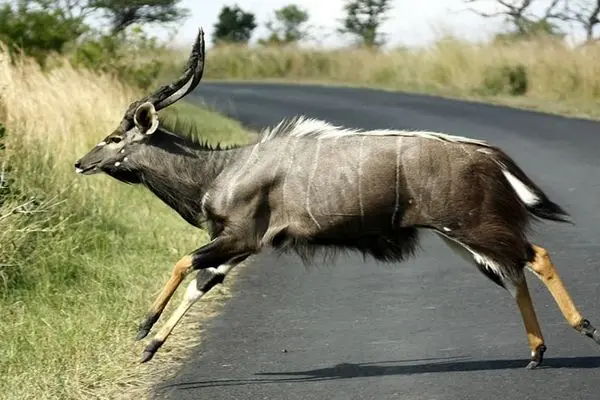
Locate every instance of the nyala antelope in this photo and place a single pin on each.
(309, 186)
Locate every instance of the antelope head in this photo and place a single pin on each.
(140, 122)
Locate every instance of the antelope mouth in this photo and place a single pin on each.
(87, 170)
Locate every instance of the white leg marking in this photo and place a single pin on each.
(310, 176)
(472, 256)
(486, 262)
(192, 294)
(525, 194)
(225, 268)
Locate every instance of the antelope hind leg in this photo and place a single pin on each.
(532, 326)
(204, 281)
(181, 269)
(544, 269)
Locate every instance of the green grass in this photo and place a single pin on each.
(81, 258)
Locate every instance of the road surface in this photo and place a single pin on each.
(431, 328)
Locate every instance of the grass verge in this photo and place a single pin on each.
(81, 259)
(545, 75)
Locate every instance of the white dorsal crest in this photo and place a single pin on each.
(302, 126)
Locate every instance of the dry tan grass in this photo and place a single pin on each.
(81, 258)
(559, 78)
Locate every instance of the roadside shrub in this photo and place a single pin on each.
(506, 79)
(37, 32)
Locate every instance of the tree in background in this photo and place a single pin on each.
(288, 25)
(37, 31)
(585, 13)
(119, 14)
(71, 8)
(124, 13)
(523, 22)
(234, 25)
(38, 27)
(364, 18)
(41, 27)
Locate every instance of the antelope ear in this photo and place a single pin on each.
(146, 118)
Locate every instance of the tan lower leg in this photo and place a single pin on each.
(532, 327)
(197, 288)
(180, 271)
(192, 294)
(542, 266)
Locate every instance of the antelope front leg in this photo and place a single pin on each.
(215, 259)
(212, 254)
(544, 269)
(204, 281)
(182, 268)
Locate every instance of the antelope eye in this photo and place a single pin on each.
(114, 139)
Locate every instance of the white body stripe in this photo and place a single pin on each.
(241, 172)
(308, 185)
(526, 195)
(285, 176)
(398, 162)
(360, 178)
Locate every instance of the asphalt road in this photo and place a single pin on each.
(430, 328)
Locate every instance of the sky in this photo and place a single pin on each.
(410, 22)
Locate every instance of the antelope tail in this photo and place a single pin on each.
(534, 199)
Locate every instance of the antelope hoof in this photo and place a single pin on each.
(537, 358)
(142, 333)
(588, 330)
(150, 350)
(146, 326)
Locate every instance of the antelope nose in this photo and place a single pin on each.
(78, 168)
